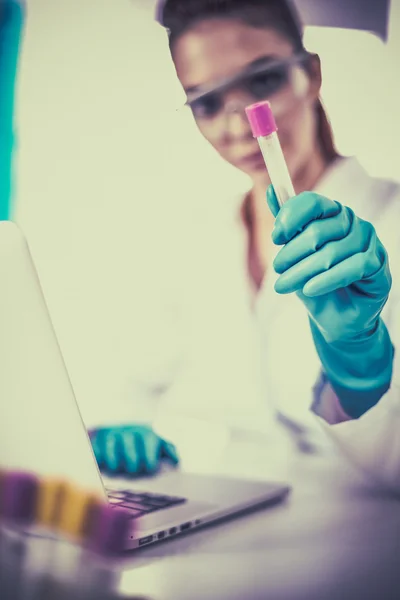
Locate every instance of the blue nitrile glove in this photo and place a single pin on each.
(11, 21)
(336, 264)
(131, 450)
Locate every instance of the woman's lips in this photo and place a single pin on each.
(252, 161)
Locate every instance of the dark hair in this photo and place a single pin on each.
(178, 16)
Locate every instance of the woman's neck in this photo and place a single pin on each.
(311, 172)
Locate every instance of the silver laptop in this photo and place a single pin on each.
(41, 428)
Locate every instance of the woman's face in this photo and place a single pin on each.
(214, 50)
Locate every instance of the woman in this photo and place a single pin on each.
(228, 54)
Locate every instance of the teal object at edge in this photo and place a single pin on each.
(11, 24)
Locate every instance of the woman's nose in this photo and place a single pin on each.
(236, 122)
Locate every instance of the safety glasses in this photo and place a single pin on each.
(261, 81)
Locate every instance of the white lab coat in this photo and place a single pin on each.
(248, 358)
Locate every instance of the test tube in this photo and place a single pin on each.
(264, 128)
(63, 509)
(90, 533)
(41, 562)
(107, 535)
(18, 496)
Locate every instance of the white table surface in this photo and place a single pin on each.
(336, 537)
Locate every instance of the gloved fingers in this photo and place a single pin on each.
(312, 239)
(130, 451)
(300, 211)
(169, 452)
(272, 200)
(342, 275)
(331, 254)
(151, 445)
(97, 449)
(112, 448)
(377, 283)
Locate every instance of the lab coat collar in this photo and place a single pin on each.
(338, 181)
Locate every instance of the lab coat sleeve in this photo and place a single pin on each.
(371, 442)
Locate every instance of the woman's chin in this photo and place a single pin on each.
(260, 175)
(256, 171)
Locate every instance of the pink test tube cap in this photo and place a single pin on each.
(261, 119)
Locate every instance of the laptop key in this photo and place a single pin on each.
(135, 511)
(175, 500)
(132, 493)
(120, 495)
(138, 506)
(156, 503)
(144, 502)
(113, 500)
(166, 499)
(154, 497)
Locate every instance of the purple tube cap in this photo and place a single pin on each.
(261, 119)
(19, 493)
(109, 530)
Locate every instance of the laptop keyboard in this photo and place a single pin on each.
(142, 503)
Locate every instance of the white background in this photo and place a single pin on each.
(107, 168)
